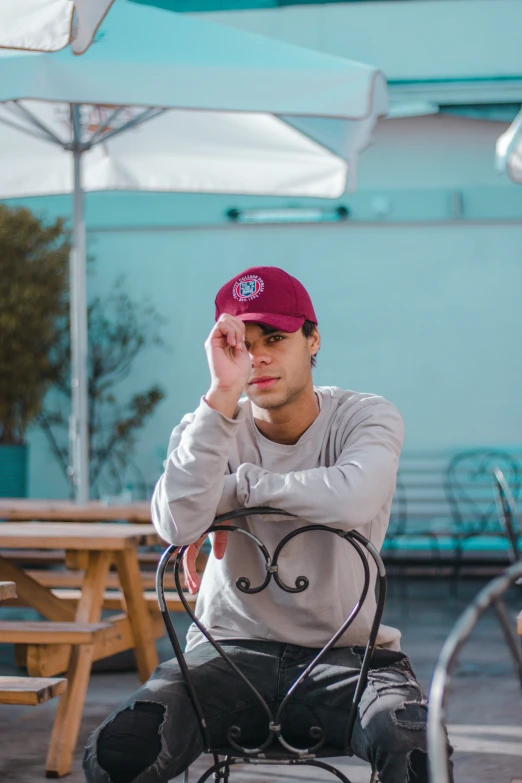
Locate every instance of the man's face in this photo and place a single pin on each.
(281, 365)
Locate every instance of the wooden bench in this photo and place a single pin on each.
(54, 572)
(113, 599)
(47, 632)
(27, 690)
(63, 578)
(66, 585)
(72, 637)
(30, 690)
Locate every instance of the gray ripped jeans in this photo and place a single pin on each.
(154, 736)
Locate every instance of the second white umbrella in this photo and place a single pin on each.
(509, 150)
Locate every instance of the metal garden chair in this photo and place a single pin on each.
(472, 485)
(275, 749)
(398, 527)
(490, 596)
(507, 513)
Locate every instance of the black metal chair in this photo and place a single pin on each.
(507, 513)
(472, 485)
(275, 749)
(399, 527)
(490, 596)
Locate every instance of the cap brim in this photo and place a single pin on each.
(286, 323)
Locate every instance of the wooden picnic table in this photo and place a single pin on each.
(90, 639)
(7, 590)
(23, 510)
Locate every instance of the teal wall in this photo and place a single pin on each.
(428, 316)
(418, 295)
(407, 39)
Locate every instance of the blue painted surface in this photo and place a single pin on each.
(14, 461)
(428, 316)
(418, 295)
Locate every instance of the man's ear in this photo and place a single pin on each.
(314, 342)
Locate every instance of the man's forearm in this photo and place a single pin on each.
(189, 492)
(349, 493)
(329, 496)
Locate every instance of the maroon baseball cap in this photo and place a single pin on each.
(266, 295)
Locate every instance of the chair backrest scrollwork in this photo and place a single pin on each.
(470, 487)
(363, 549)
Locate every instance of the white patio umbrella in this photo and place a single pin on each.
(508, 153)
(167, 102)
(50, 25)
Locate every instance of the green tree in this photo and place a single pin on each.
(35, 349)
(33, 304)
(119, 330)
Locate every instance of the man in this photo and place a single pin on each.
(325, 455)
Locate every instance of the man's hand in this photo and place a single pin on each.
(192, 578)
(229, 364)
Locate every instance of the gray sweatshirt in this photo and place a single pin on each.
(341, 473)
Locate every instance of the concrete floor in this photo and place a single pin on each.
(484, 705)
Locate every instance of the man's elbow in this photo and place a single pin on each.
(168, 526)
(176, 522)
(357, 513)
(162, 517)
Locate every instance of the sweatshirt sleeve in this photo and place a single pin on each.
(349, 493)
(194, 487)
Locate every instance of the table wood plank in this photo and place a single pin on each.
(519, 624)
(96, 536)
(24, 510)
(7, 590)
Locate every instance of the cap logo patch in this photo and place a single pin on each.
(247, 288)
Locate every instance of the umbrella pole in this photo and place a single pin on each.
(78, 429)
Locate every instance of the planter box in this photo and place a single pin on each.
(13, 471)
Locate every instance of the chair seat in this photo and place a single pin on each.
(277, 753)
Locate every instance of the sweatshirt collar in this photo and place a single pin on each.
(317, 424)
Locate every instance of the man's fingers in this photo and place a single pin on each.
(229, 332)
(233, 320)
(192, 578)
(189, 566)
(219, 545)
(232, 329)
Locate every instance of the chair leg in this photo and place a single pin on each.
(512, 639)
(220, 771)
(224, 774)
(328, 768)
(454, 580)
(186, 775)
